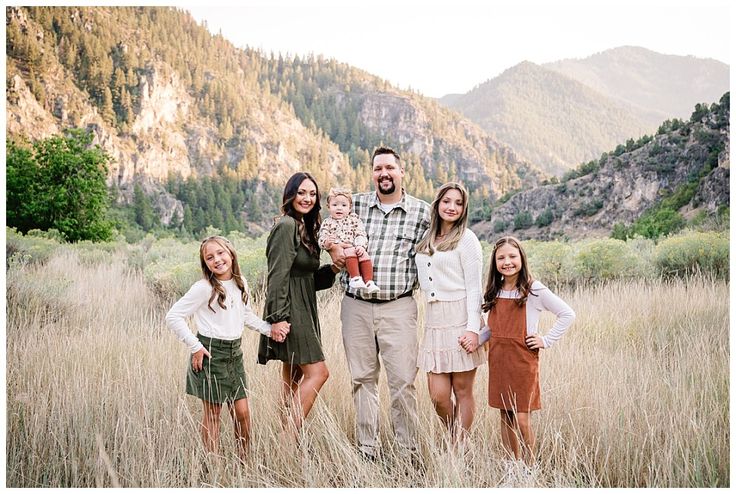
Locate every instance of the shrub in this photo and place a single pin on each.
(170, 267)
(620, 231)
(499, 226)
(91, 253)
(585, 169)
(51, 234)
(643, 249)
(693, 252)
(29, 249)
(545, 218)
(504, 198)
(558, 262)
(170, 277)
(590, 208)
(550, 262)
(251, 257)
(605, 259)
(723, 214)
(523, 220)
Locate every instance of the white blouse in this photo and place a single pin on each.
(223, 324)
(543, 299)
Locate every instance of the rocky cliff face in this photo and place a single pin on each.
(182, 121)
(477, 158)
(168, 134)
(624, 185)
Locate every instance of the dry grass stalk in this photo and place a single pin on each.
(635, 395)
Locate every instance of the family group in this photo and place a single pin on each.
(383, 244)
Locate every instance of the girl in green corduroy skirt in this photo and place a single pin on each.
(219, 304)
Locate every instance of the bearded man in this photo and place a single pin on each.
(385, 323)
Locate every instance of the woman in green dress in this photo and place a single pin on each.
(294, 276)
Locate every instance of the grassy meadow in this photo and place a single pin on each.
(635, 395)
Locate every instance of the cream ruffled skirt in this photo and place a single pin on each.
(440, 352)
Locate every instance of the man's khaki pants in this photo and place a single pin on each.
(388, 329)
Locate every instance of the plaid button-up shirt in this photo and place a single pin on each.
(392, 241)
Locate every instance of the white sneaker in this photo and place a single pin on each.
(371, 287)
(356, 282)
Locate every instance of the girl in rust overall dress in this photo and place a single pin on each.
(513, 302)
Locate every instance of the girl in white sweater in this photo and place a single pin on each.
(449, 263)
(219, 304)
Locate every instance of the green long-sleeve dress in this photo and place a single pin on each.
(294, 276)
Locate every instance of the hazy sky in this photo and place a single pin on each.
(450, 46)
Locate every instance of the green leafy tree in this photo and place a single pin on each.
(59, 183)
(658, 222)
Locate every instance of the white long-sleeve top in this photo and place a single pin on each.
(223, 324)
(453, 275)
(543, 299)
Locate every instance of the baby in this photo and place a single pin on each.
(343, 230)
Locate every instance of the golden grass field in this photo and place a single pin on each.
(635, 395)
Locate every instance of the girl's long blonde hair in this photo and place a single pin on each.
(429, 243)
(217, 289)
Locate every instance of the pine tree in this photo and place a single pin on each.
(144, 214)
(188, 221)
(106, 108)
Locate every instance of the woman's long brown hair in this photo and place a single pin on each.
(309, 223)
(494, 284)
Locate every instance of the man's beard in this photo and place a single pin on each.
(391, 189)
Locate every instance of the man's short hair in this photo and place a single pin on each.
(384, 150)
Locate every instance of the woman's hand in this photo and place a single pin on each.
(469, 341)
(279, 330)
(198, 359)
(337, 255)
(338, 263)
(534, 342)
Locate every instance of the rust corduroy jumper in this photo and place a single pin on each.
(513, 380)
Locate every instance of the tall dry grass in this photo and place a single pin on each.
(636, 394)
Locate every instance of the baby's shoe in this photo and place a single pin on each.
(356, 282)
(371, 287)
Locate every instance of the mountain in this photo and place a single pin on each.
(668, 86)
(552, 120)
(678, 175)
(561, 114)
(164, 99)
(187, 117)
